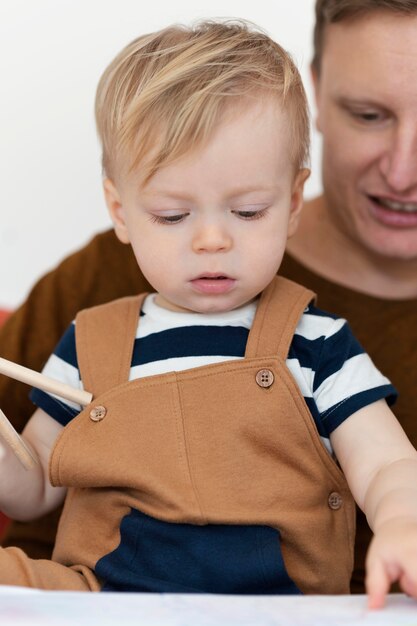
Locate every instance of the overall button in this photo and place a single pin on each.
(264, 378)
(335, 501)
(98, 413)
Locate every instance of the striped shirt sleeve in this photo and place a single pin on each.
(345, 378)
(63, 366)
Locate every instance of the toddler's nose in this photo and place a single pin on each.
(212, 238)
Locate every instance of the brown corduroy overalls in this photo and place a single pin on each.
(229, 443)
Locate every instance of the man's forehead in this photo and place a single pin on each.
(376, 32)
(371, 53)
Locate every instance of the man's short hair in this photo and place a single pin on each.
(331, 11)
(165, 92)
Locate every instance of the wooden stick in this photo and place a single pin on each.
(15, 441)
(30, 377)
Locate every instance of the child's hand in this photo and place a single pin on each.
(392, 557)
(24, 494)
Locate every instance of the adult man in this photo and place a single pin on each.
(359, 240)
(356, 246)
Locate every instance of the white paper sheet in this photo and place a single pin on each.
(20, 607)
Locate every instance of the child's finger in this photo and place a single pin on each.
(408, 584)
(377, 584)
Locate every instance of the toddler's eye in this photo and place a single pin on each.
(248, 214)
(169, 219)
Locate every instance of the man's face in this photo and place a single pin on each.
(209, 230)
(367, 113)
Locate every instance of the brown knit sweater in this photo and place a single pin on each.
(106, 269)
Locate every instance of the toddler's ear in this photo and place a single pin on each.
(115, 207)
(297, 199)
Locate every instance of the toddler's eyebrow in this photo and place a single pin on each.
(244, 191)
(236, 192)
(166, 193)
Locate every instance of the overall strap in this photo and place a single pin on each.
(105, 336)
(279, 310)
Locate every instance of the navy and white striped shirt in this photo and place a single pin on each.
(334, 374)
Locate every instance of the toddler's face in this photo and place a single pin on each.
(209, 230)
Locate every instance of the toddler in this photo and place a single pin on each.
(232, 419)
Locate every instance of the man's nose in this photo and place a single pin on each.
(211, 236)
(399, 163)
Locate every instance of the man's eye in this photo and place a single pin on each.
(169, 219)
(367, 116)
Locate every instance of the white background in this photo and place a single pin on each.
(52, 53)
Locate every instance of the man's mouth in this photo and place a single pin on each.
(395, 205)
(397, 214)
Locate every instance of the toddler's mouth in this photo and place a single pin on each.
(211, 283)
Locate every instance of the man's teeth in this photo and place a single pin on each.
(409, 207)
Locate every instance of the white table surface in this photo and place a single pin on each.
(46, 608)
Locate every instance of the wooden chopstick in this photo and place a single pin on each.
(30, 377)
(15, 441)
(40, 381)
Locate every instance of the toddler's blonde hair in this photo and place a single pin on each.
(165, 92)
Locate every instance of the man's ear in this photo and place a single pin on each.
(297, 199)
(315, 79)
(116, 210)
